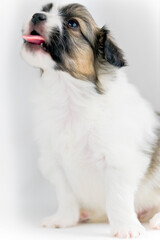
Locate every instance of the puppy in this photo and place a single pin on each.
(98, 138)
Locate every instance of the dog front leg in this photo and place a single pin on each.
(120, 204)
(68, 213)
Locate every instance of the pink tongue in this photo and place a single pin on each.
(34, 39)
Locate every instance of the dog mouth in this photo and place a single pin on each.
(35, 39)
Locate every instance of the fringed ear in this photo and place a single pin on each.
(108, 50)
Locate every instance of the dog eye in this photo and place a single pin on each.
(73, 24)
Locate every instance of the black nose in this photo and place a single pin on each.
(38, 17)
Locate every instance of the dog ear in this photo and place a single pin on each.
(108, 50)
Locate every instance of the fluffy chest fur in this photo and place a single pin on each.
(67, 109)
(84, 132)
(68, 113)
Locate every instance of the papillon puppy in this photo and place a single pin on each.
(99, 139)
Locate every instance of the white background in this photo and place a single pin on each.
(25, 196)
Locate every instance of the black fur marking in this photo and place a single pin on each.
(48, 7)
(108, 50)
(59, 45)
(113, 54)
(66, 41)
(55, 47)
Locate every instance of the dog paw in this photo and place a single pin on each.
(59, 221)
(155, 221)
(132, 231)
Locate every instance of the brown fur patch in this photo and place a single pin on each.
(155, 162)
(155, 158)
(82, 63)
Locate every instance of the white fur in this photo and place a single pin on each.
(93, 147)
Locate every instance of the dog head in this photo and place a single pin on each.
(68, 39)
